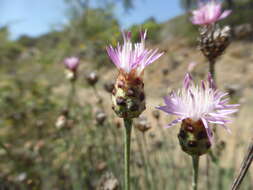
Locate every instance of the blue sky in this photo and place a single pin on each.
(36, 17)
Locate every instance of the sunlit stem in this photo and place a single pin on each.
(212, 69)
(71, 95)
(127, 145)
(195, 170)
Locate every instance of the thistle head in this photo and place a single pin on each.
(130, 59)
(142, 124)
(209, 13)
(71, 64)
(214, 41)
(92, 78)
(198, 107)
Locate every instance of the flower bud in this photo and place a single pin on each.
(70, 75)
(128, 96)
(61, 122)
(100, 117)
(193, 137)
(142, 125)
(92, 78)
(109, 87)
(108, 182)
(71, 64)
(214, 40)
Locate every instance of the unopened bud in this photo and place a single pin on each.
(193, 137)
(109, 86)
(92, 78)
(128, 96)
(142, 125)
(70, 75)
(100, 117)
(61, 122)
(214, 40)
(108, 182)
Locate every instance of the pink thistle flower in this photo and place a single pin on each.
(132, 58)
(71, 63)
(209, 13)
(202, 103)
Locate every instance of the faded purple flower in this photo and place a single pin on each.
(204, 103)
(131, 57)
(71, 63)
(209, 13)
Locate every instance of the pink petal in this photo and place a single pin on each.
(187, 81)
(225, 14)
(174, 122)
(208, 130)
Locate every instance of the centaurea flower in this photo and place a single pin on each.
(213, 39)
(209, 13)
(128, 94)
(71, 64)
(198, 107)
(131, 60)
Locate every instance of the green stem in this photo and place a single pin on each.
(207, 173)
(212, 69)
(195, 167)
(71, 95)
(127, 143)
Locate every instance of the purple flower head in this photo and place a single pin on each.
(204, 103)
(131, 57)
(209, 13)
(71, 63)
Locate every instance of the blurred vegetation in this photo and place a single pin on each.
(151, 26)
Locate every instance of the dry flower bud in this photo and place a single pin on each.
(142, 125)
(92, 78)
(108, 182)
(214, 40)
(100, 117)
(61, 122)
(109, 86)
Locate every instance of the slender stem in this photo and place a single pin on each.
(208, 183)
(244, 168)
(127, 144)
(212, 69)
(195, 170)
(71, 95)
